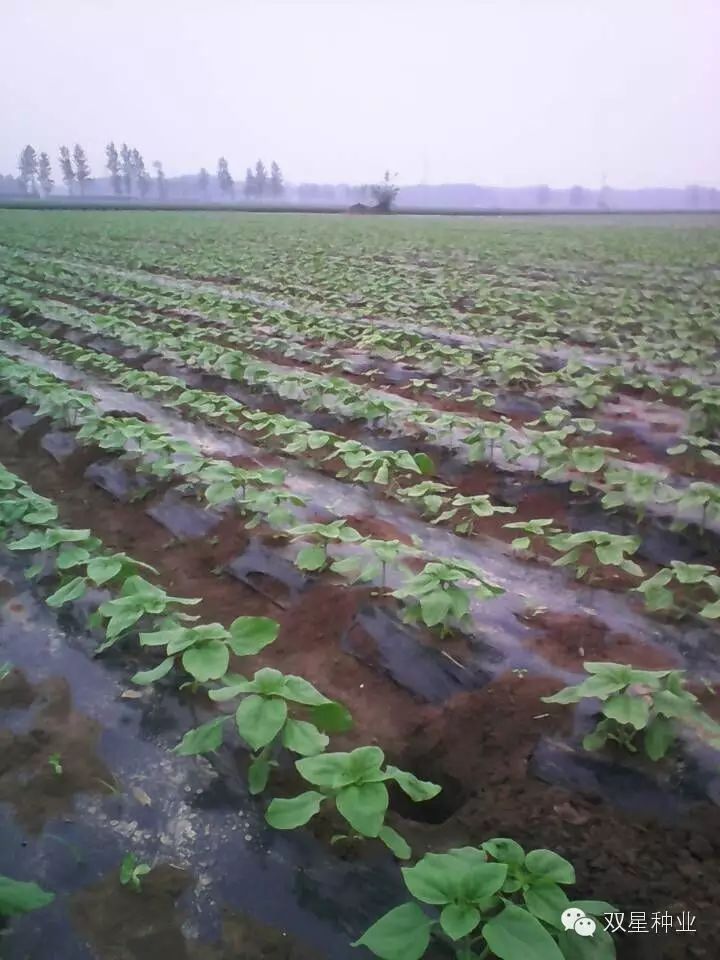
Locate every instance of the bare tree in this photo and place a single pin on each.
(126, 166)
(277, 187)
(142, 177)
(45, 174)
(203, 181)
(82, 168)
(260, 179)
(66, 168)
(28, 167)
(225, 180)
(249, 187)
(113, 165)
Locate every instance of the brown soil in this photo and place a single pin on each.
(477, 745)
(484, 740)
(28, 781)
(567, 640)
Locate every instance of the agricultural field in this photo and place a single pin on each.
(331, 545)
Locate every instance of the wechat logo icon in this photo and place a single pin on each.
(576, 919)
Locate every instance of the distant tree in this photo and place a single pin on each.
(160, 176)
(249, 189)
(126, 167)
(45, 174)
(66, 169)
(142, 177)
(28, 167)
(577, 196)
(203, 181)
(82, 169)
(113, 165)
(542, 195)
(225, 180)
(277, 187)
(260, 179)
(384, 193)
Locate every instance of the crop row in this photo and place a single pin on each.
(545, 452)
(438, 596)
(587, 384)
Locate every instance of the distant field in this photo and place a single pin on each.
(444, 463)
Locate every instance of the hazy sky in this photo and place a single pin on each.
(506, 92)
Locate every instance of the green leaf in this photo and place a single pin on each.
(17, 897)
(658, 737)
(302, 691)
(304, 738)
(203, 739)
(599, 946)
(293, 813)
(402, 934)
(260, 719)
(102, 569)
(424, 463)
(144, 677)
(434, 880)
(397, 844)
(364, 807)
(435, 607)
(625, 708)
(72, 556)
(514, 934)
(550, 866)
(458, 919)
(250, 635)
(208, 661)
(417, 790)
(70, 591)
(504, 850)
(311, 558)
(546, 901)
(258, 774)
(332, 717)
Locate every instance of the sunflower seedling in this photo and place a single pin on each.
(355, 783)
(644, 706)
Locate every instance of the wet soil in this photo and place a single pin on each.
(479, 744)
(29, 783)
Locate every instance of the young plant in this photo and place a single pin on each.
(583, 548)
(131, 871)
(495, 901)
(638, 705)
(355, 783)
(314, 557)
(464, 512)
(55, 763)
(536, 529)
(138, 597)
(435, 596)
(428, 495)
(263, 720)
(364, 569)
(204, 650)
(658, 595)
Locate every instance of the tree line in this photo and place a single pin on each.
(129, 176)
